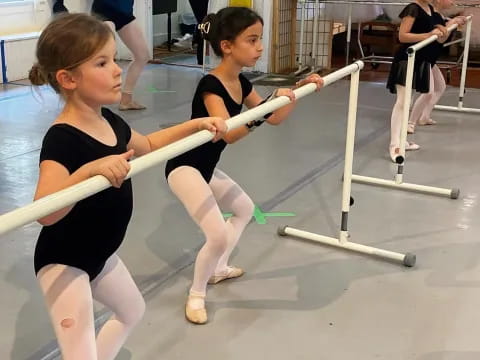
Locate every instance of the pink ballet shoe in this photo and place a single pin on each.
(232, 272)
(195, 316)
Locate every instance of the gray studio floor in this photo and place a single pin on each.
(298, 300)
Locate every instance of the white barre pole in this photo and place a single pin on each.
(349, 33)
(316, 15)
(466, 51)
(204, 55)
(349, 150)
(463, 77)
(420, 45)
(301, 66)
(408, 259)
(56, 201)
(451, 193)
(400, 159)
(457, 109)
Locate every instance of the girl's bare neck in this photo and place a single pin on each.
(227, 71)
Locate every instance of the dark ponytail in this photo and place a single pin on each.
(227, 24)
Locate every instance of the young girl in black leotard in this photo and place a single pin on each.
(417, 25)
(235, 35)
(75, 258)
(118, 14)
(421, 115)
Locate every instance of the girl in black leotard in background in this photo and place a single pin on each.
(417, 25)
(235, 35)
(421, 115)
(119, 16)
(75, 258)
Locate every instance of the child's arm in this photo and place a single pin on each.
(55, 177)
(216, 107)
(459, 20)
(281, 114)
(445, 34)
(405, 36)
(144, 144)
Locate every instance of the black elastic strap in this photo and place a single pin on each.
(268, 98)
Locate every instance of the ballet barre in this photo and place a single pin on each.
(398, 183)
(66, 197)
(342, 241)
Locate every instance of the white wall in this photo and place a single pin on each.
(34, 15)
(28, 19)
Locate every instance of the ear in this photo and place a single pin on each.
(66, 80)
(226, 46)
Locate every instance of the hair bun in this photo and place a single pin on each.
(37, 76)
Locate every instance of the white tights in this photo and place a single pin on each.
(69, 297)
(422, 108)
(133, 38)
(203, 202)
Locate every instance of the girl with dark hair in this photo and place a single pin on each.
(235, 34)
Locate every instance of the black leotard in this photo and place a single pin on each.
(95, 227)
(205, 157)
(423, 23)
(437, 48)
(120, 12)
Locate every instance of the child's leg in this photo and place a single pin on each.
(231, 197)
(69, 299)
(396, 120)
(196, 195)
(133, 37)
(115, 288)
(424, 103)
(439, 89)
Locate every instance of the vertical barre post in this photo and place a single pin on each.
(349, 33)
(204, 54)
(466, 51)
(302, 34)
(315, 35)
(405, 115)
(349, 149)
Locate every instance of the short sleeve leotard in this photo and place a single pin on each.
(120, 12)
(205, 157)
(95, 227)
(424, 23)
